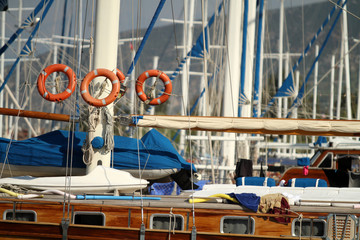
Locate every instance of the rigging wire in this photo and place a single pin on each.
(347, 11)
(174, 29)
(335, 66)
(137, 130)
(68, 168)
(12, 131)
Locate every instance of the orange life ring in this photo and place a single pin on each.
(84, 88)
(153, 73)
(59, 96)
(120, 76)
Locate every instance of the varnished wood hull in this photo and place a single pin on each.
(23, 230)
(123, 220)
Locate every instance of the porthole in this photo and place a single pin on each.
(238, 225)
(167, 221)
(309, 228)
(89, 218)
(20, 215)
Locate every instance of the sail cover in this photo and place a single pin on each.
(154, 151)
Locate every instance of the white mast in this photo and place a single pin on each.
(232, 76)
(347, 64)
(341, 69)
(187, 39)
(295, 114)
(262, 57)
(105, 56)
(132, 87)
(315, 86)
(332, 80)
(2, 69)
(248, 84)
(155, 66)
(280, 74)
(250, 48)
(285, 102)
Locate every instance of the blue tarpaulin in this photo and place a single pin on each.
(249, 200)
(154, 150)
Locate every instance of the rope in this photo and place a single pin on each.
(171, 215)
(140, 174)
(151, 91)
(300, 220)
(109, 136)
(300, 217)
(68, 172)
(87, 149)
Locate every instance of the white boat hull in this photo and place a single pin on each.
(10, 170)
(100, 180)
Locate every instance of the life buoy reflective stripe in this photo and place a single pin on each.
(163, 77)
(84, 87)
(59, 96)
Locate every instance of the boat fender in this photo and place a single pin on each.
(97, 142)
(84, 87)
(59, 96)
(163, 77)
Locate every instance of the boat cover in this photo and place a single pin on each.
(154, 151)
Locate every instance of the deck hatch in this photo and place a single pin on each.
(309, 227)
(89, 218)
(167, 221)
(20, 215)
(237, 224)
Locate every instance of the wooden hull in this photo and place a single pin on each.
(124, 218)
(20, 230)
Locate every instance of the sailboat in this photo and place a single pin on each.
(297, 213)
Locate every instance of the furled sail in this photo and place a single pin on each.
(316, 127)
